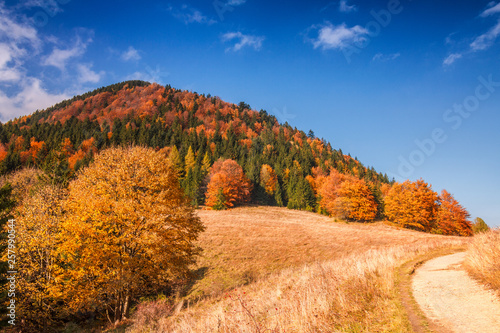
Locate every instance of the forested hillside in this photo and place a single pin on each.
(66, 135)
(224, 155)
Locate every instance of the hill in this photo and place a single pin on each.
(275, 163)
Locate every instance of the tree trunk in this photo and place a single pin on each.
(117, 309)
(125, 307)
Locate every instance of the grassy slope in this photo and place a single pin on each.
(295, 272)
(483, 259)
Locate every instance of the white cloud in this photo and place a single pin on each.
(190, 15)
(451, 59)
(32, 97)
(59, 57)
(85, 74)
(386, 57)
(338, 37)
(16, 32)
(492, 9)
(344, 7)
(21, 89)
(243, 40)
(486, 40)
(131, 54)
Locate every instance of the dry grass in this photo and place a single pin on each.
(483, 259)
(297, 272)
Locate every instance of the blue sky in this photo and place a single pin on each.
(409, 87)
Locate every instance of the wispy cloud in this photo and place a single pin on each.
(481, 42)
(21, 90)
(242, 41)
(60, 57)
(344, 7)
(487, 39)
(386, 57)
(18, 41)
(86, 74)
(451, 59)
(491, 9)
(337, 36)
(131, 54)
(190, 15)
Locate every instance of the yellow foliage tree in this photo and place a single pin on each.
(268, 179)
(37, 222)
(129, 230)
(189, 160)
(174, 158)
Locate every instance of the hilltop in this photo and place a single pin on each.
(64, 137)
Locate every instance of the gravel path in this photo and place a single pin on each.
(446, 294)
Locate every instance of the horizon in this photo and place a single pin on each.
(411, 88)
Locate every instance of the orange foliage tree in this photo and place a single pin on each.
(328, 190)
(412, 205)
(129, 231)
(355, 200)
(268, 179)
(347, 197)
(227, 185)
(452, 218)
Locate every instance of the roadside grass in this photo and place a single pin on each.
(268, 269)
(483, 259)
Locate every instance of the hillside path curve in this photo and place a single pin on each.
(447, 295)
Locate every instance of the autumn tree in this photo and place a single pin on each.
(452, 218)
(227, 185)
(37, 221)
(174, 158)
(355, 201)
(129, 231)
(268, 179)
(6, 204)
(346, 197)
(206, 163)
(189, 160)
(412, 205)
(328, 189)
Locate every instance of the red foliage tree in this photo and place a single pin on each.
(452, 218)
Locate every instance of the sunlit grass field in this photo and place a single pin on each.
(268, 269)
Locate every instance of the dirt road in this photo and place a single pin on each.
(446, 294)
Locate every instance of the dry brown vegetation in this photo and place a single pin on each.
(483, 259)
(268, 269)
